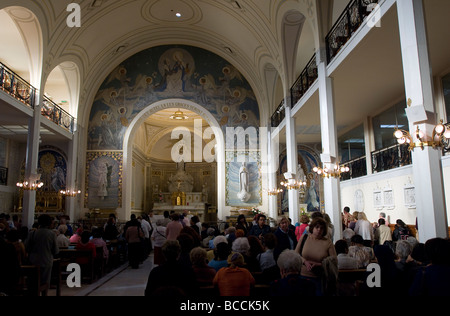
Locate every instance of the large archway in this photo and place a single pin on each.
(125, 211)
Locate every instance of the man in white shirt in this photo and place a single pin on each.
(147, 228)
(383, 233)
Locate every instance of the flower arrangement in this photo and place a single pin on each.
(255, 211)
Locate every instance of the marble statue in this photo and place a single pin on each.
(243, 194)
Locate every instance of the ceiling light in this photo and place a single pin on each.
(178, 14)
(178, 115)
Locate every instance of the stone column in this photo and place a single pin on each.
(331, 186)
(72, 176)
(272, 166)
(292, 162)
(427, 168)
(31, 163)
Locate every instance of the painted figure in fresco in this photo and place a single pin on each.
(103, 180)
(58, 179)
(243, 194)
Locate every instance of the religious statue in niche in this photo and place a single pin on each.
(243, 194)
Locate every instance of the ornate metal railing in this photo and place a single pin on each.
(358, 168)
(14, 85)
(390, 158)
(279, 115)
(306, 79)
(57, 115)
(349, 21)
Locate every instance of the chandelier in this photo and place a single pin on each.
(333, 171)
(273, 192)
(70, 193)
(30, 185)
(293, 184)
(179, 115)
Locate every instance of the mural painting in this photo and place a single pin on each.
(53, 169)
(104, 184)
(307, 160)
(166, 72)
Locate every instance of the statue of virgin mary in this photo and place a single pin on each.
(244, 194)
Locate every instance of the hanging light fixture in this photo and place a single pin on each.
(179, 115)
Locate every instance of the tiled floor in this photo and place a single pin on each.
(123, 281)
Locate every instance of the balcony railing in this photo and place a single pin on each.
(390, 158)
(279, 115)
(57, 115)
(14, 85)
(346, 25)
(358, 168)
(306, 79)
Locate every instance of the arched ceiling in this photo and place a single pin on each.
(245, 32)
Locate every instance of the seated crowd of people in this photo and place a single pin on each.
(191, 257)
(299, 259)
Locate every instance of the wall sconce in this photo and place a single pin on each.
(70, 193)
(30, 186)
(440, 133)
(328, 172)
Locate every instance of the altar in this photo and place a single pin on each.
(180, 196)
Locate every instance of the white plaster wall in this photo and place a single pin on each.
(396, 179)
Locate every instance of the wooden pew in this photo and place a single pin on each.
(349, 281)
(68, 256)
(30, 282)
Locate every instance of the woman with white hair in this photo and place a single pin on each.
(364, 228)
(291, 283)
(158, 238)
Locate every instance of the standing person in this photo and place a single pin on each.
(159, 238)
(174, 228)
(134, 236)
(166, 219)
(147, 229)
(41, 247)
(382, 233)
(314, 248)
(286, 239)
(261, 228)
(299, 230)
(346, 217)
(401, 231)
(243, 224)
(364, 228)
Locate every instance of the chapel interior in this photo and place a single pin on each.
(128, 107)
